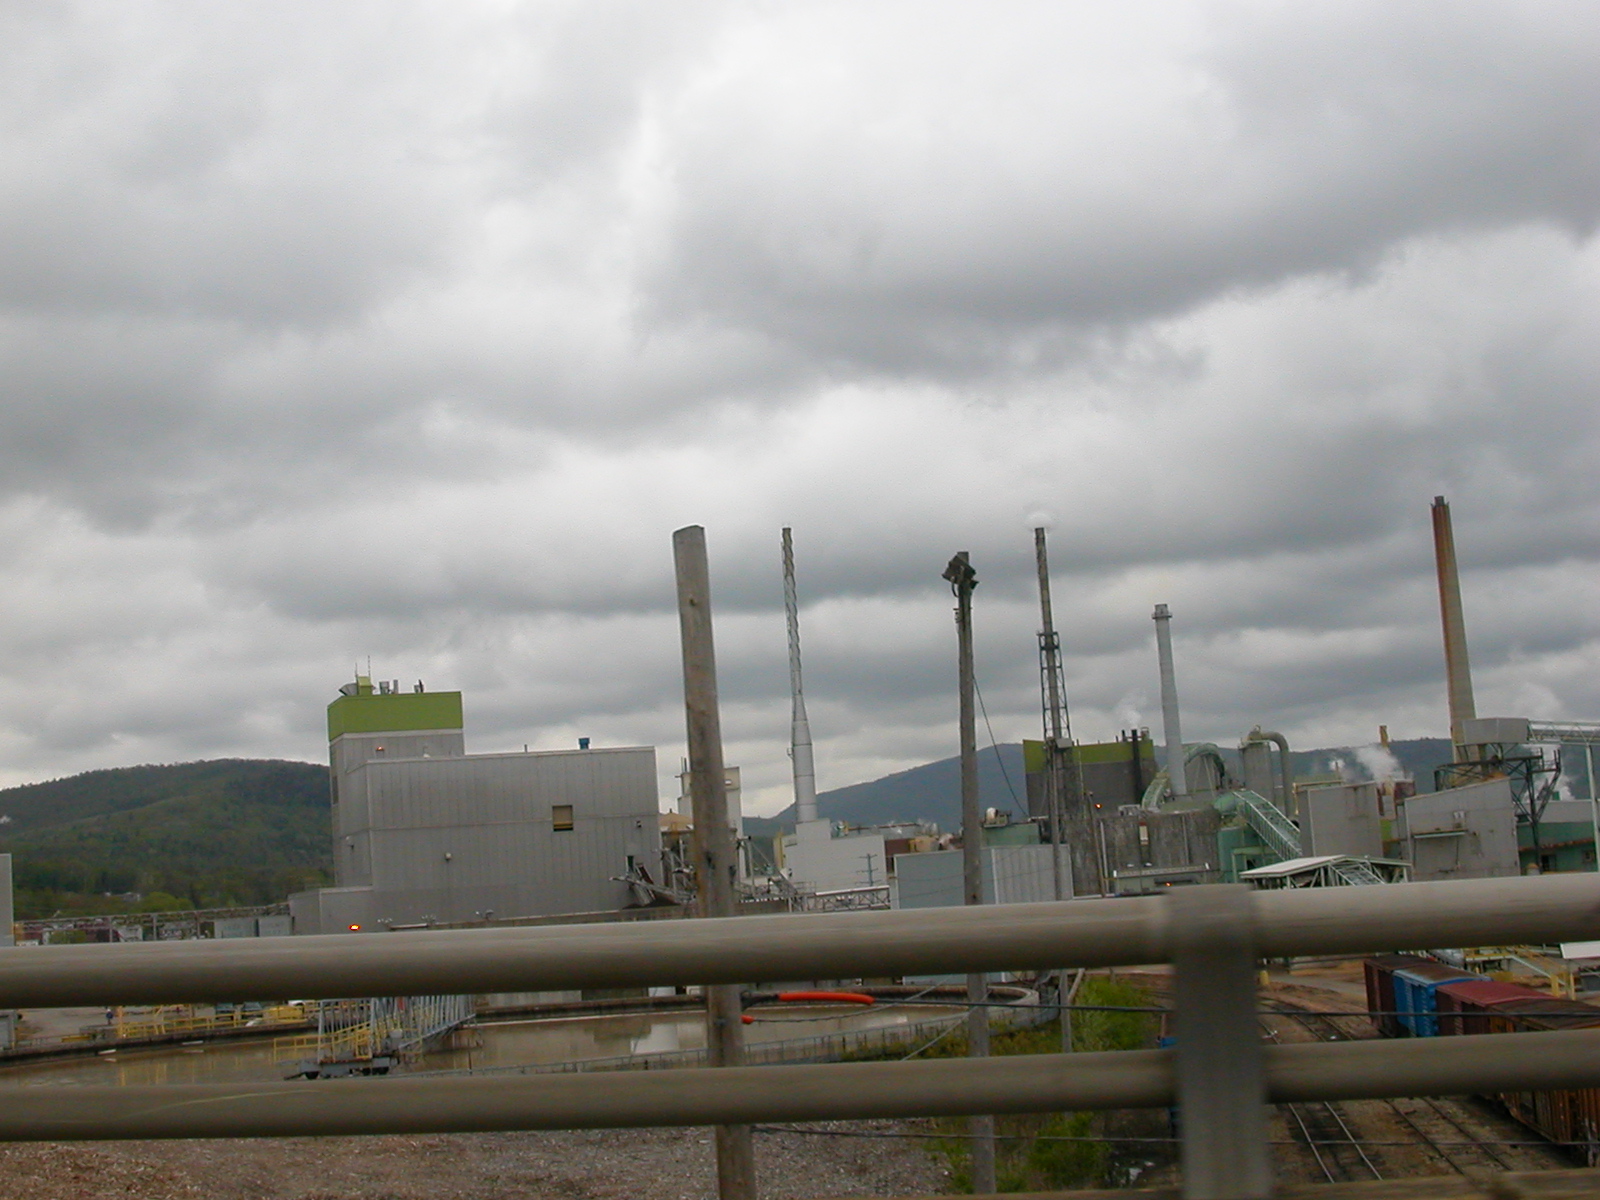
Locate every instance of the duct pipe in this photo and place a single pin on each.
(805, 772)
(1177, 777)
(1457, 667)
(1286, 797)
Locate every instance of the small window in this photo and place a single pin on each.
(561, 816)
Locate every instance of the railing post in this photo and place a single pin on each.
(1221, 1082)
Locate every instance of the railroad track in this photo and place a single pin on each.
(1328, 1138)
(1425, 1113)
(1436, 1127)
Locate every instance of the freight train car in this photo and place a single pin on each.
(1413, 997)
(1464, 1007)
(1416, 996)
(1379, 973)
(1571, 1117)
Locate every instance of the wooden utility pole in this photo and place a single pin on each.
(962, 579)
(714, 846)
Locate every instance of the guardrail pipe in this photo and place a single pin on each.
(1079, 933)
(843, 1091)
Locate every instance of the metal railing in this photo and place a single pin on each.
(1280, 834)
(1213, 935)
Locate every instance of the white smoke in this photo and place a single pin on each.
(1128, 714)
(1383, 766)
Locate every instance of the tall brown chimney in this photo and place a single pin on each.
(1458, 671)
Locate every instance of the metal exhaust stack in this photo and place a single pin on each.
(1457, 668)
(1177, 778)
(805, 772)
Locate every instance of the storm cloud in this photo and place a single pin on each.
(412, 331)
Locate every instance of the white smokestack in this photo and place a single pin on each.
(805, 773)
(1177, 777)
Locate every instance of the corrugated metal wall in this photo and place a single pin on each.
(454, 838)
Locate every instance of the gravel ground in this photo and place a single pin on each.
(654, 1164)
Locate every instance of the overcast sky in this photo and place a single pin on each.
(412, 331)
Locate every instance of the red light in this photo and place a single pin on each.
(355, 929)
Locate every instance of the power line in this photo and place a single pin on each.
(998, 757)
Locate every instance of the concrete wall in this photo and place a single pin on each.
(1177, 841)
(1463, 833)
(1341, 819)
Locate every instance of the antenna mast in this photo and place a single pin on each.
(1061, 781)
(805, 773)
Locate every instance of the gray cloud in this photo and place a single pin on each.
(413, 333)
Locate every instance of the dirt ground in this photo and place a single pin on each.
(653, 1164)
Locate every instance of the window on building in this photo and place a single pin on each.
(561, 816)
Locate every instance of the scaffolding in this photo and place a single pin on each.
(369, 1037)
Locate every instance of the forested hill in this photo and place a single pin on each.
(193, 835)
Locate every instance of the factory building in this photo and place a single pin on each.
(426, 834)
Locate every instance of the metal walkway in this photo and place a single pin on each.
(367, 1037)
(1355, 872)
(1276, 831)
(1282, 837)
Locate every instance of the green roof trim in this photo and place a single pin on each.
(399, 712)
(1088, 752)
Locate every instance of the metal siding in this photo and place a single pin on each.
(1023, 874)
(931, 880)
(491, 813)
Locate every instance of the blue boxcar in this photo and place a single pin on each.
(1416, 999)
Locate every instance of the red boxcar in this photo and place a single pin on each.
(1464, 1006)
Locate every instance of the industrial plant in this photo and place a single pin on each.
(1127, 821)
(425, 834)
(489, 850)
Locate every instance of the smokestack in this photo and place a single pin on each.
(1176, 776)
(805, 773)
(1457, 669)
